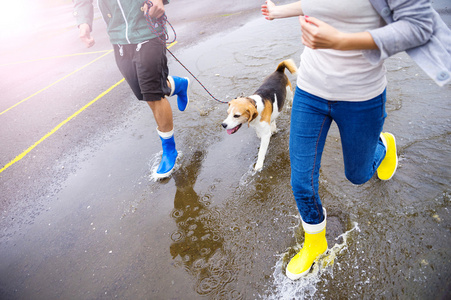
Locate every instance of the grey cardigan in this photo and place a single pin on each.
(415, 27)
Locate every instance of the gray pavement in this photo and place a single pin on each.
(81, 217)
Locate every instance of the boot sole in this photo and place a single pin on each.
(168, 173)
(187, 97)
(165, 175)
(396, 165)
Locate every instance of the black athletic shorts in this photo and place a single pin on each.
(145, 68)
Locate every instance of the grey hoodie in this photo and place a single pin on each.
(415, 27)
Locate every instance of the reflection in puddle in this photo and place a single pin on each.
(196, 245)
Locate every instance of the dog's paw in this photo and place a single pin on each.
(258, 167)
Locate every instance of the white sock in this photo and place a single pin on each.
(165, 135)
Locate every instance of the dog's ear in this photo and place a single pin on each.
(252, 111)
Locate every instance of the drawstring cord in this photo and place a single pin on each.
(138, 47)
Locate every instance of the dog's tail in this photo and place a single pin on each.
(287, 64)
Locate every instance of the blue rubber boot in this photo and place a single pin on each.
(179, 87)
(169, 154)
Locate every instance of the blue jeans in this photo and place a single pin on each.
(360, 125)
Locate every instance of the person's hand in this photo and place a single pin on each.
(85, 35)
(317, 34)
(267, 9)
(157, 9)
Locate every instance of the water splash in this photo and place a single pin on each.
(306, 287)
(155, 162)
(249, 176)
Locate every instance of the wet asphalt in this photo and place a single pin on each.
(82, 218)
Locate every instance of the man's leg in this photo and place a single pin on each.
(145, 68)
(162, 113)
(152, 72)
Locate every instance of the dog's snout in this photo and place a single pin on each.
(224, 125)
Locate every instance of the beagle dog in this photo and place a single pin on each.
(261, 109)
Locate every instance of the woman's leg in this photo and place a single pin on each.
(360, 125)
(310, 123)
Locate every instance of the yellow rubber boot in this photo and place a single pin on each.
(388, 166)
(315, 244)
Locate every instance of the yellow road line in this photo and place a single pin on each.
(22, 155)
(52, 84)
(53, 57)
